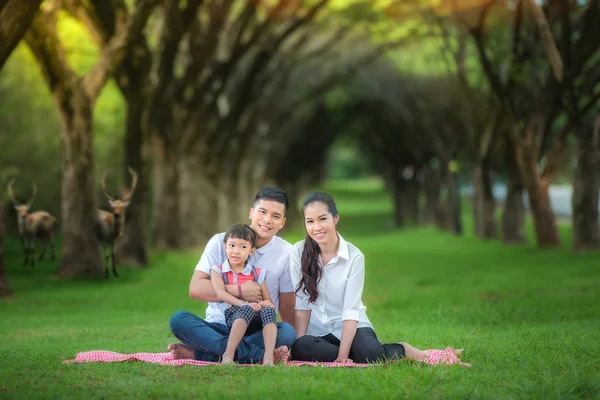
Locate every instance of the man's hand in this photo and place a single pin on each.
(266, 303)
(251, 292)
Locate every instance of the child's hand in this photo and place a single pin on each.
(255, 306)
(344, 361)
(266, 303)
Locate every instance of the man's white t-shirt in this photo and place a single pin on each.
(273, 257)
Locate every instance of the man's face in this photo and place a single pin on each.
(267, 218)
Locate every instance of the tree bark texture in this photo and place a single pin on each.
(513, 211)
(81, 251)
(15, 18)
(4, 288)
(586, 184)
(484, 204)
(166, 229)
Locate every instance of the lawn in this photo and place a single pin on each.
(529, 321)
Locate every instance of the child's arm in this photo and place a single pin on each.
(267, 301)
(222, 295)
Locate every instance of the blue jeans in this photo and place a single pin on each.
(209, 340)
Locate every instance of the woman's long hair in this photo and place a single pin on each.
(311, 269)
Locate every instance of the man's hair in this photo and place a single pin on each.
(241, 231)
(273, 194)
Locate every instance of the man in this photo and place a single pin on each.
(206, 340)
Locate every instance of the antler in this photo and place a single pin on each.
(10, 192)
(104, 187)
(134, 180)
(33, 195)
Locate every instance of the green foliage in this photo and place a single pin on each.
(30, 124)
(347, 161)
(528, 324)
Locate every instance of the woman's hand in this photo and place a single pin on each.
(341, 360)
(255, 306)
(266, 303)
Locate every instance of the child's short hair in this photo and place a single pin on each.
(241, 231)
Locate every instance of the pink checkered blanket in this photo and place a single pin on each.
(436, 357)
(167, 359)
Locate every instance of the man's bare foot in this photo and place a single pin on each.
(227, 358)
(181, 352)
(281, 354)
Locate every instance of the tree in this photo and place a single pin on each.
(15, 18)
(74, 97)
(530, 108)
(100, 18)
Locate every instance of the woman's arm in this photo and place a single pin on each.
(222, 295)
(301, 322)
(352, 302)
(348, 333)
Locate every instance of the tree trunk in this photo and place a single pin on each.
(432, 184)
(513, 212)
(166, 229)
(131, 247)
(454, 206)
(546, 230)
(227, 202)
(81, 250)
(4, 288)
(484, 204)
(197, 202)
(396, 184)
(131, 78)
(411, 199)
(586, 185)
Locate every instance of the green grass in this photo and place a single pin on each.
(529, 321)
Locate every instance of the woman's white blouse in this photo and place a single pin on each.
(340, 291)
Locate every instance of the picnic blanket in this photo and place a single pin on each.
(446, 357)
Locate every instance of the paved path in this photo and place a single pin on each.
(560, 197)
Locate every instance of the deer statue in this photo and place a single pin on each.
(111, 223)
(38, 225)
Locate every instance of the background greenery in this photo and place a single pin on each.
(528, 321)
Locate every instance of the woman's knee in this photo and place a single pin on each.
(302, 348)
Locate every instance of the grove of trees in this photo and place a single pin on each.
(209, 100)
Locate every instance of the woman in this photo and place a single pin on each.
(328, 274)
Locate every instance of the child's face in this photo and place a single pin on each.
(238, 251)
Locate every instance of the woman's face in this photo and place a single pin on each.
(319, 223)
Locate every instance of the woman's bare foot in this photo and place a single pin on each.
(227, 358)
(181, 352)
(412, 353)
(281, 354)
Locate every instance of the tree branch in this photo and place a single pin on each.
(127, 32)
(15, 18)
(549, 43)
(43, 42)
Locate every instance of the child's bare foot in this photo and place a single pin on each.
(180, 351)
(227, 358)
(268, 360)
(281, 354)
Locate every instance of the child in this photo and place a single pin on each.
(240, 316)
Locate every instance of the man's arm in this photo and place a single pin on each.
(287, 302)
(202, 289)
